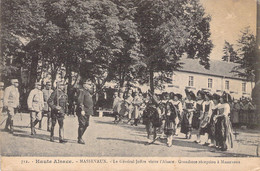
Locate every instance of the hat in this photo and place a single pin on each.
(192, 95)
(201, 93)
(216, 96)
(14, 81)
(171, 95)
(179, 96)
(226, 97)
(209, 95)
(187, 92)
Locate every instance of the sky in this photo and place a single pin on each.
(229, 17)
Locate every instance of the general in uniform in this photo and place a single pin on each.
(35, 104)
(11, 102)
(84, 109)
(58, 103)
(46, 109)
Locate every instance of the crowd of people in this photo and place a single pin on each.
(164, 115)
(169, 114)
(243, 112)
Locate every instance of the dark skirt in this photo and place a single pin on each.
(212, 129)
(220, 133)
(185, 124)
(169, 128)
(195, 120)
(204, 130)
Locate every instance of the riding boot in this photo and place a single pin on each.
(83, 130)
(40, 124)
(80, 131)
(7, 124)
(52, 134)
(48, 123)
(35, 122)
(80, 134)
(11, 126)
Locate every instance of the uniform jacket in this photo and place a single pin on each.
(85, 101)
(11, 97)
(58, 98)
(46, 96)
(35, 100)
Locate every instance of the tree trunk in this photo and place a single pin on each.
(151, 75)
(33, 70)
(53, 75)
(70, 91)
(122, 80)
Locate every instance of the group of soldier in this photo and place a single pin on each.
(53, 103)
(168, 114)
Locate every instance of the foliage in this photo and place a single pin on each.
(230, 55)
(168, 30)
(246, 52)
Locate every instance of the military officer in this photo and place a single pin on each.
(11, 102)
(84, 108)
(35, 104)
(58, 103)
(46, 109)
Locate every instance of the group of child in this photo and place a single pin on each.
(165, 114)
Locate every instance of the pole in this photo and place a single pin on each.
(257, 78)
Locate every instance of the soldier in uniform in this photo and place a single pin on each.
(35, 104)
(11, 102)
(1, 96)
(47, 110)
(84, 108)
(58, 103)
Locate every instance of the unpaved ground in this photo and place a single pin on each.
(103, 138)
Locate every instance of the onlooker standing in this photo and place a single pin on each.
(1, 96)
(11, 102)
(35, 104)
(137, 102)
(47, 110)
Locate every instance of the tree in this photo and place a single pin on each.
(21, 23)
(246, 52)
(230, 55)
(168, 30)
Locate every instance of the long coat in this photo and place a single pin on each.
(85, 101)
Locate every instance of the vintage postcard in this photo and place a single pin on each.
(130, 85)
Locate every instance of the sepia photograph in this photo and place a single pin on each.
(131, 79)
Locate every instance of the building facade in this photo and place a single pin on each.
(218, 78)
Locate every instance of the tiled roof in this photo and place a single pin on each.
(217, 68)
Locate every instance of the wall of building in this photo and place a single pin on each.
(181, 81)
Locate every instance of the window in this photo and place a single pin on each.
(210, 81)
(244, 87)
(191, 79)
(227, 85)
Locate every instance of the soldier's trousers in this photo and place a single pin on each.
(48, 113)
(61, 128)
(35, 118)
(9, 121)
(83, 124)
